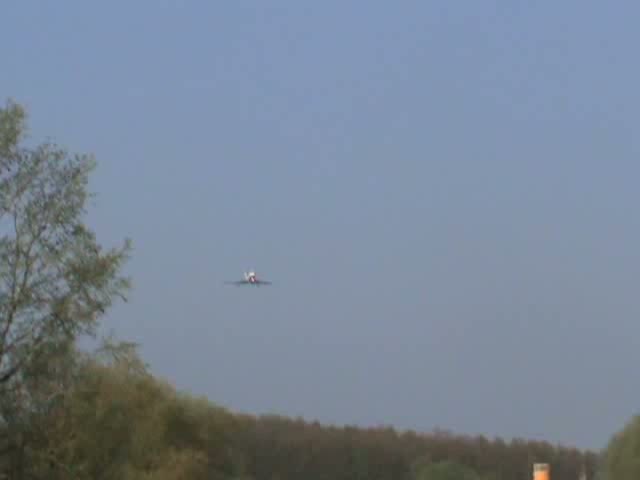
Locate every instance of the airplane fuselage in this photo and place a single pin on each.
(250, 278)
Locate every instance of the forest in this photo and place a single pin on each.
(67, 413)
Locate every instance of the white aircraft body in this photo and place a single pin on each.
(250, 278)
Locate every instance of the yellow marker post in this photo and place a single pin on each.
(541, 471)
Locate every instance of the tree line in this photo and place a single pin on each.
(113, 419)
(71, 414)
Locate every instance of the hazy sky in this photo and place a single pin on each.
(444, 193)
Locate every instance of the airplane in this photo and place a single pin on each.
(250, 278)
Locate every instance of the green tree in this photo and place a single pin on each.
(621, 459)
(56, 280)
(117, 421)
(445, 470)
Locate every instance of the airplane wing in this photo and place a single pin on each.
(263, 282)
(238, 282)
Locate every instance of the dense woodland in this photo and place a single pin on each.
(69, 414)
(115, 420)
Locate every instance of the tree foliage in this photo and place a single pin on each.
(445, 470)
(56, 280)
(621, 460)
(114, 421)
(297, 449)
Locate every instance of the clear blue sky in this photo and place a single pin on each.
(444, 193)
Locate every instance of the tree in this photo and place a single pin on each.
(56, 280)
(445, 470)
(622, 456)
(116, 421)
